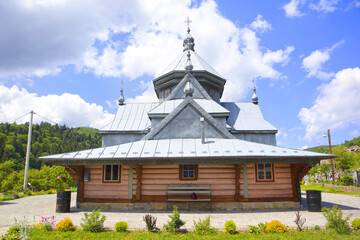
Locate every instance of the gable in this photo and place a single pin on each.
(199, 91)
(184, 122)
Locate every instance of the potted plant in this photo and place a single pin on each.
(63, 197)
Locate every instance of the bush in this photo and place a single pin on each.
(254, 229)
(121, 226)
(275, 227)
(175, 222)
(347, 180)
(356, 224)
(262, 227)
(230, 227)
(317, 228)
(65, 225)
(203, 226)
(12, 233)
(299, 221)
(48, 223)
(336, 221)
(150, 222)
(93, 222)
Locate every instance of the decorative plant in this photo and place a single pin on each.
(262, 227)
(254, 229)
(275, 227)
(175, 222)
(230, 227)
(48, 222)
(203, 226)
(356, 224)
(61, 182)
(336, 221)
(150, 222)
(93, 222)
(65, 225)
(121, 226)
(299, 221)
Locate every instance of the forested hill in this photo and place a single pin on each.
(325, 149)
(46, 139)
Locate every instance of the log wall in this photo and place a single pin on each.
(95, 188)
(281, 187)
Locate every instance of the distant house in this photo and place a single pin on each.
(189, 149)
(354, 149)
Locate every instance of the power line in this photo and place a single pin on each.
(48, 119)
(20, 117)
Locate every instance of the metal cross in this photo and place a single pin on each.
(188, 21)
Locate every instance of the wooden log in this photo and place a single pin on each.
(237, 182)
(138, 170)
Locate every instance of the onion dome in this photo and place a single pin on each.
(255, 97)
(189, 41)
(189, 89)
(121, 100)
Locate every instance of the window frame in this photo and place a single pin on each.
(212, 93)
(167, 92)
(112, 167)
(181, 173)
(271, 169)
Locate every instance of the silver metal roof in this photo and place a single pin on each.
(246, 116)
(131, 117)
(198, 63)
(210, 106)
(186, 148)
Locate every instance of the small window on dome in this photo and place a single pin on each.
(167, 93)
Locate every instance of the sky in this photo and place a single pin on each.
(67, 60)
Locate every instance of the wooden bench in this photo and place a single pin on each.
(182, 193)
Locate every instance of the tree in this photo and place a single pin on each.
(345, 160)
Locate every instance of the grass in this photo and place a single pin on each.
(326, 189)
(318, 235)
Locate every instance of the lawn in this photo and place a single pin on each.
(326, 189)
(318, 235)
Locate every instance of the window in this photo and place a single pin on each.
(212, 93)
(166, 92)
(265, 172)
(188, 172)
(111, 173)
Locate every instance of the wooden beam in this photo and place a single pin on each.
(138, 169)
(237, 182)
(130, 181)
(245, 181)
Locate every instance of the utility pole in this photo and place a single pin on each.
(332, 163)
(28, 151)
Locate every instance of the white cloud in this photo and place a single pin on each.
(313, 63)
(324, 6)
(260, 24)
(69, 109)
(357, 3)
(147, 96)
(292, 8)
(336, 106)
(304, 147)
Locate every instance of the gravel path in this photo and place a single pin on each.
(33, 208)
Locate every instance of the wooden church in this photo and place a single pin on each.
(188, 149)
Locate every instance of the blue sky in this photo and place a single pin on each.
(67, 60)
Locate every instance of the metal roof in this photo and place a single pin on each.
(131, 117)
(186, 148)
(210, 106)
(246, 116)
(179, 63)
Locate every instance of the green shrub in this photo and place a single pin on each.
(317, 228)
(65, 225)
(13, 233)
(356, 224)
(175, 222)
(262, 227)
(203, 226)
(121, 226)
(336, 221)
(347, 180)
(254, 229)
(93, 222)
(230, 227)
(275, 227)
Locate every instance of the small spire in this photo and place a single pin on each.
(189, 89)
(189, 40)
(188, 66)
(121, 100)
(254, 96)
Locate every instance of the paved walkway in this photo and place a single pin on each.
(33, 208)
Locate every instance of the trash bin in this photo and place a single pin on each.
(63, 201)
(313, 198)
